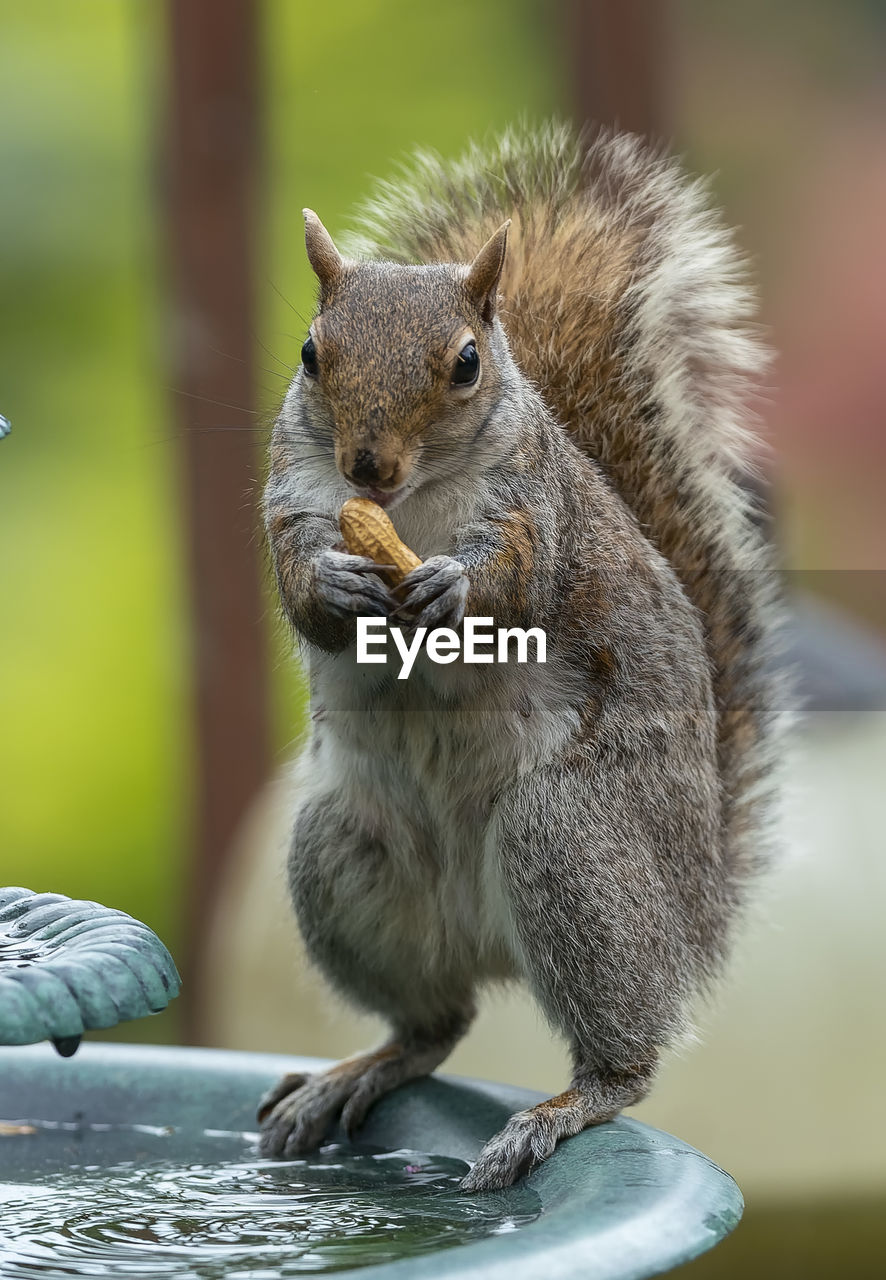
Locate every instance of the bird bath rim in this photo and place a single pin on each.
(622, 1201)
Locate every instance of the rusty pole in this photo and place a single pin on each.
(620, 64)
(211, 151)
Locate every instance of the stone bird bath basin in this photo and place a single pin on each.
(141, 1162)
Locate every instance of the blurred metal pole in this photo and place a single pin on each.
(621, 64)
(211, 177)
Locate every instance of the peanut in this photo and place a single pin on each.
(367, 531)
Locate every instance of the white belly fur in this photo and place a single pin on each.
(419, 763)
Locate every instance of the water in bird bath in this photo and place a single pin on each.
(85, 1198)
(337, 1209)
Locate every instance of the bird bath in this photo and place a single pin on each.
(137, 1161)
(69, 966)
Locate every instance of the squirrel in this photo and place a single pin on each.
(536, 359)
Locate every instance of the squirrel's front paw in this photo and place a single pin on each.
(434, 594)
(349, 585)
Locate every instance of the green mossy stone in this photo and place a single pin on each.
(69, 966)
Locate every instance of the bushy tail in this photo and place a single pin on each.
(625, 303)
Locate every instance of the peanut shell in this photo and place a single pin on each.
(368, 531)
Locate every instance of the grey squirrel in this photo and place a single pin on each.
(535, 360)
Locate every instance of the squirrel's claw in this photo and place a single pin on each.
(282, 1089)
(434, 594)
(297, 1114)
(524, 1141)
(530, 1136)
(349, 585)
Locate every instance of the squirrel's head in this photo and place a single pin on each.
(402, 364)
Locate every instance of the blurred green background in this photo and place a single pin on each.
(97, 750)
(783, 104)
(93, 654)
(94, 698)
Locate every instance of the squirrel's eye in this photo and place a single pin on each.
(309, 358)
(467, 366)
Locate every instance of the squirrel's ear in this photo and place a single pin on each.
(322, 253)
(484, 273)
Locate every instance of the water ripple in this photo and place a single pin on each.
(256, 1218)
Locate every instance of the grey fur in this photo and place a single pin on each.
(587, 826)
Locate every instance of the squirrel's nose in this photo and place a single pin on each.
(367, 469)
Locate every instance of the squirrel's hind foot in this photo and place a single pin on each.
(297, 1113)
(287, 1085)
(529, 1137)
